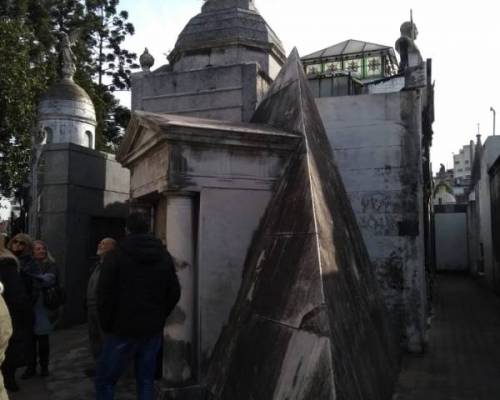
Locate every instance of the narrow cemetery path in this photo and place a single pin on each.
(463, 358)
(461, 363)
(69, 358)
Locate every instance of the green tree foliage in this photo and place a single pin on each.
(109, 28)
(20, 84)
(30, 61)
(113, 118)
(110, 66)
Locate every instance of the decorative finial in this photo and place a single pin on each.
(68, 57)
(146, 60)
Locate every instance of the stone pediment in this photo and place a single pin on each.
(169, 152)
(147, 130)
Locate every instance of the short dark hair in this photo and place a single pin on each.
(137, 222)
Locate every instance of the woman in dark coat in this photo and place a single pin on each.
(19, 306)
(43, 274)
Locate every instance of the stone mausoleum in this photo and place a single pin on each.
(221, 66)
(78, 194)
(243, 197)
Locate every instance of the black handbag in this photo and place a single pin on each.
(53, 297)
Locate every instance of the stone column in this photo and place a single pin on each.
(180, 346)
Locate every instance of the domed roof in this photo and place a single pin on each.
(442, 194)
(225, 23)
(66, 89)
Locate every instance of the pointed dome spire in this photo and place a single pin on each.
(224, 26)
(211, 5)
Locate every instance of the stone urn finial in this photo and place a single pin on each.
(146, 60)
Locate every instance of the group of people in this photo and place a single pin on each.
(136, 288)
(26, 270)
(131, 291)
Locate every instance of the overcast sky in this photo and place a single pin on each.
(462, 38)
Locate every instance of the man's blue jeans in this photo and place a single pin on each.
(116, 355)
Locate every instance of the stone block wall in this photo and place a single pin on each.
(228, 93)
(482, 195)
(377, 146)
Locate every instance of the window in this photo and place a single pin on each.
(333, 66)
(373, 66)
(89, 139)
(457, 162)
(354, 66)
(49, 136)
(313, 69)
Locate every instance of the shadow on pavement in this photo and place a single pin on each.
(70, 357)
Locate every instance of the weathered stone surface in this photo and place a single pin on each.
(223, 24)
(221, 66)
(211, 180)
(377, 143)
(66, 115)
(309, 322)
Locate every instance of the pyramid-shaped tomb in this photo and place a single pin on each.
(309, 322)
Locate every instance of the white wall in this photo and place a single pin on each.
(228, 220)
(377, 145)
(451, 242)
(491, 151)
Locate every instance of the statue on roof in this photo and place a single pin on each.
(408, 51)
(68, 57)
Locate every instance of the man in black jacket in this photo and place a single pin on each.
(137, 290)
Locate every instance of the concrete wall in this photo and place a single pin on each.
(225, 92)
(229, 55)
(377, 146)
(482, 195)
(473, 243)
(223, 247)
(451, 241)
(387, 86)
(83, 196)
(495, 221)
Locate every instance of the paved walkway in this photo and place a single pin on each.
(462, 361)
(70, 357)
